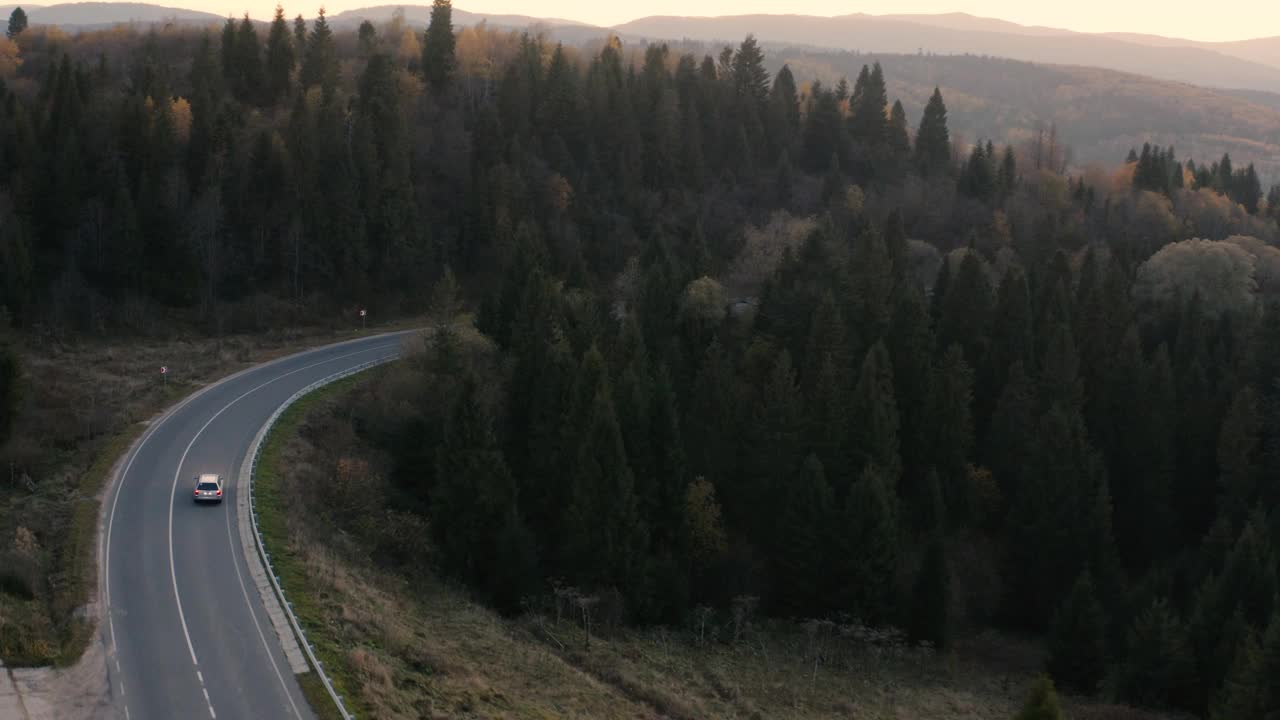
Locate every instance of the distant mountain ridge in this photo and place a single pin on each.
(1248, 65)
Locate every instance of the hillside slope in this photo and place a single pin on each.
(887, 35)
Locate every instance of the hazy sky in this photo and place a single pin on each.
(1181, 18)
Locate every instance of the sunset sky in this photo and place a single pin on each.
(1194, 20)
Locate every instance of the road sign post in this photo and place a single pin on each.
(363, 312)
(164, 375)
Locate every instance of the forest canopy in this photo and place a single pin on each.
(749, 338)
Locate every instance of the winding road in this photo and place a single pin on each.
(187, 631)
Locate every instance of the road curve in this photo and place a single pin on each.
(186, 631)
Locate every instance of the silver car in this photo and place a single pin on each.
(208, 488)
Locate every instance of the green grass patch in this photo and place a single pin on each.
(289, 566)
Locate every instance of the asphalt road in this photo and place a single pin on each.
(190, 635)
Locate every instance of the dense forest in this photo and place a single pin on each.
(754, 340)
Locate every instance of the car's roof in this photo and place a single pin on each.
(208, 478)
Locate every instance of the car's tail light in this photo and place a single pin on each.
(219, 493)
(197, 492)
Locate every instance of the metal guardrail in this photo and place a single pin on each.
(262, 550)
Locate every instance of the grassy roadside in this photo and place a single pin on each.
(272, 523)
(84, 405)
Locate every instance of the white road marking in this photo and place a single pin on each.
(177, 475)
(124, 476)
(245, 591)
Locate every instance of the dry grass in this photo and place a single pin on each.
(83, 404)
(419, 648)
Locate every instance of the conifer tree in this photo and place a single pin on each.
(750, 79)
(1242, 693)
(320, 62)
(930, 600)
(367, 38)
(772, 449)
(299, 37)
(17, 23)
(898, 141)
(953, 438)
(605, 537)
(280, 58)
(933, 140)
(1239, 455)
(1077, 639)
(875, 417)
(966, 310)
(474, 492)
(802, 554)
(867, 549)
(1158, 670)
(438, 59)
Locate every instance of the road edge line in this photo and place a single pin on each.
(259, 559)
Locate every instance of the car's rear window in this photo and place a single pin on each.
(208, 486)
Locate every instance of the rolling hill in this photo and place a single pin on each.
(962, 34)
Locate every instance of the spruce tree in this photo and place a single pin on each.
(299, 37)
(280, 58)
(875, 417)
(1242, 692)
(604, 536)
(320, 61)
(17, 23)
(772, 449)
(802, 547)
(1158, 670)
(474, 492)
(930, 597)
(248, 63)
(867, 549)
(952, 416)
(438, 44)
(750, 79)
(1077, 639)
(933, 140)
(966, 310)
(898, 141)
(1239, 455)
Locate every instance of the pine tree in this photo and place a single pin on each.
(953, 437)
(875, 417)
(802, 544)
(438, 59)
(367, 38)
(933, 140)
(17, 23)
(1077, 639)
(898, 141)
(320, 62)
(966, 310)
(929, 620)
(248, 79)
(1042, 702)
(910, 343)
(280, 58)
(1239, 455)
(299, 37)
(1242, 693)
(750, 79)
(866, 550)
(604, 537)
(1012, 340)
(1158, 670)
(772, 449)
(474, 492)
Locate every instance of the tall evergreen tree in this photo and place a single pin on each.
(17, 23)
(802, 557)
(438, 44)
(1077, 639)
(320, 61)
(933, 140)
(867, 549)
(875, 418)
(280, 58)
